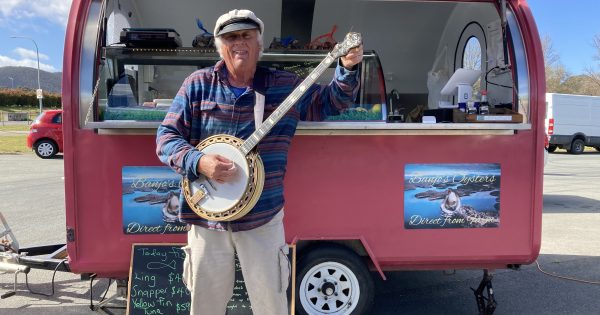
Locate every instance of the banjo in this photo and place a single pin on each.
(235, 198)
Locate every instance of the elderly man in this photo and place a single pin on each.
(221, 100)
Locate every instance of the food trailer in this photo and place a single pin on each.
(408, 178)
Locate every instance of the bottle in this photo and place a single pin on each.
(484, 106)
(471, 109)
(471, 105)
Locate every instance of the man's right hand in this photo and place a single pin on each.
(216, 167)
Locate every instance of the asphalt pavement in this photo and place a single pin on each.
(32, 201)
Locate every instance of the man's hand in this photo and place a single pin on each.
(216, 167)
(354, 57)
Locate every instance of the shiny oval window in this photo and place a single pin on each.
(472, 54)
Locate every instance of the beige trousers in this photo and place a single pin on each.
(209, 269)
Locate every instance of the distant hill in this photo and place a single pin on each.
(26, 77)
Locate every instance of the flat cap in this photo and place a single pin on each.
(237, 20)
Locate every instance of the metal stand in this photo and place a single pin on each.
(486, 305)
(104, 308)
(9, 259)
(16, 269)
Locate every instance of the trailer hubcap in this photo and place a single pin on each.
(329, 288)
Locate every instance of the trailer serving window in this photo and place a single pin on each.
(138, 84)
(412, 50)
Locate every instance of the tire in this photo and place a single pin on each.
(45, 149)
(552, 148)
(597, 148)
(577, 146)
(333, 280)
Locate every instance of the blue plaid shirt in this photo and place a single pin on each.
(205, 106)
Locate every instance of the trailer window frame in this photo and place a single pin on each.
(90, 70)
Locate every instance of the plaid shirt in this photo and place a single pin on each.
(206, 106)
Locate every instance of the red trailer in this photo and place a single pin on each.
(379, 188)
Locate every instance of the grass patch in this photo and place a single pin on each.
(14, 144)
(17, 108)
(14, 127)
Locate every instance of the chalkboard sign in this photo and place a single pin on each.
(156, 285)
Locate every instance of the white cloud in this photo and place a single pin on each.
(29, 54)
(25, 62)
(56, 11)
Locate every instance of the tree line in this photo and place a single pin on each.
(559, 80)
(28, 97)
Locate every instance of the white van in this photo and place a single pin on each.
(573, 122)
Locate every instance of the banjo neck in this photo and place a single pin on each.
(286, 105)
(350, 41)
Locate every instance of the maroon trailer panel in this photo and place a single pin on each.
(342, 183)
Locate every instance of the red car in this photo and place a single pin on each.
(45, 135)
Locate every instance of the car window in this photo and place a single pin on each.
(57, 119)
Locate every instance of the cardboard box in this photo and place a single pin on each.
(497, 115)
(458, 116)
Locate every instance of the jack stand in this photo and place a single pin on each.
(9, 259)
(16, 269)
(485, 284)
(102, 307)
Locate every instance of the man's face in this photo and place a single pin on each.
(240, 49)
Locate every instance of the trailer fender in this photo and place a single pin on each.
(357, 244)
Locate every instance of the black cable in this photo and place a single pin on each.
(492, 83)
(92, 277)
(53, 275)
(106, 291)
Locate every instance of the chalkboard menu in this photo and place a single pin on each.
(156, 285)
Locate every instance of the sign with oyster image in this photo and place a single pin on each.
(151, 200)
(439, 196)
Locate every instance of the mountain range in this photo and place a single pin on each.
(26, 77)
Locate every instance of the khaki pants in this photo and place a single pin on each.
(209, 269)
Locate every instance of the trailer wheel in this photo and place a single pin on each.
(577, 146)
(552, 148)
(333, 280)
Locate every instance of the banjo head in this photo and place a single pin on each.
(230, 200)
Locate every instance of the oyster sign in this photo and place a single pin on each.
(151, 200)
(438, 196)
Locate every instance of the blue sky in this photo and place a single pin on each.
(44, 21)
(570, 24)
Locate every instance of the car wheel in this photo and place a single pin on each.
(45, 149)
(333, 280)
(577, 146)
(552, 148)
(597, 148)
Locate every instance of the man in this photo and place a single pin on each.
(220, 100)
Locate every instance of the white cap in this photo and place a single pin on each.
(236, 20)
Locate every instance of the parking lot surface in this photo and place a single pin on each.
(32, 200)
